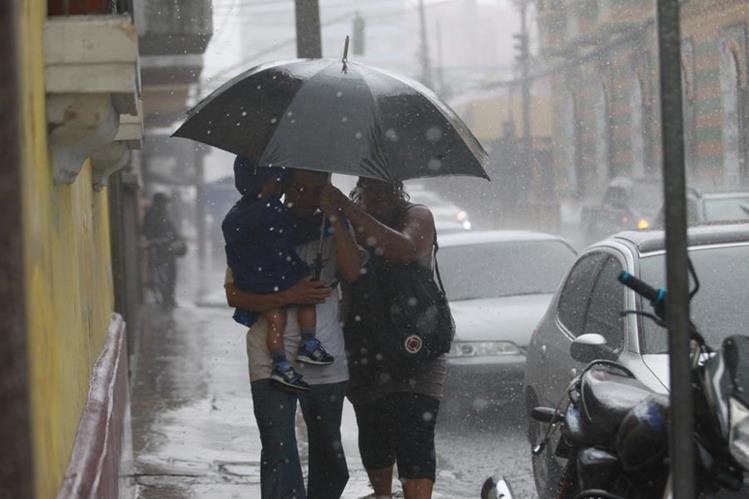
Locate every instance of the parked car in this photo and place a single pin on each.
(591, 300)
(628, 203)
(448, 217)
(713, 207)
(499, 284)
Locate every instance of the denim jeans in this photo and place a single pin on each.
(280, 467)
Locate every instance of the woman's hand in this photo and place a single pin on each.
(308, 291)
(332, 200)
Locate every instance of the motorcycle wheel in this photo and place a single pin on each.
(547, 472)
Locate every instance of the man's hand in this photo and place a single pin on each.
(307, 291)
(331, 200)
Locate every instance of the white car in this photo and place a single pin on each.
(498, 284)
(448, 217)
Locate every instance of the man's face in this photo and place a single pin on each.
(302, 192)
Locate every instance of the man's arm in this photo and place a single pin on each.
(306, 291)
(347, 251)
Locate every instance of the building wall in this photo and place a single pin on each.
(593, 57)
(68, 274)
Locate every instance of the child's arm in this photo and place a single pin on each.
(305, 291)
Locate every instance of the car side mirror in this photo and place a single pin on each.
(590, 347)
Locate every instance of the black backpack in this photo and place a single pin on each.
(399, 320)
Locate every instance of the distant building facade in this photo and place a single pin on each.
(603, 60)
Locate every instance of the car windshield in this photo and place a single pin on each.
(724, 209)
(720, 308)
(490, 270)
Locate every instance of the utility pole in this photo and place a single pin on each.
(681, 446)
(524, 60)
(440, 63)
(308, 36)
(426, 69)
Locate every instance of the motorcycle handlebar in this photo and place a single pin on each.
(655, 296)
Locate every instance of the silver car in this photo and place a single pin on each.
(499, 284)
(591, 300)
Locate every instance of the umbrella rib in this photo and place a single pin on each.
(376, 113)
(463, 132)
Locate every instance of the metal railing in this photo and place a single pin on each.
(89, 7)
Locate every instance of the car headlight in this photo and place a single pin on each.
(643, 224)
(467, 225)
(739, 433)
(482, 349)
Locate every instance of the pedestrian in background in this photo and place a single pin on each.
(165, 244)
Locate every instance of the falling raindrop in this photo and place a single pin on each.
(371, 241)
(434, 134)
(273, 120)
(391, 135)
(435, 164)
(339, 94)
(344, 119)
(358, 135)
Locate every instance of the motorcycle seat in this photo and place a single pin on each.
(607, 397)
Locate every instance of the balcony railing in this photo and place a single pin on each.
(88, 7)
(170, 28)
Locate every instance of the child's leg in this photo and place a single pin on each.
(311, 351)
(307, 317)
(276, 319)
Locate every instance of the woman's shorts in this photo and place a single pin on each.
(399, 428)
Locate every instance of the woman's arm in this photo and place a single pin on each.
(306, 291)
(413, 242)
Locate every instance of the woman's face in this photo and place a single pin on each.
(380, 199)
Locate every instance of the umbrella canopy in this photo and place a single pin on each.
(320, 114)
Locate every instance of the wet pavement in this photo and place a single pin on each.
(194, 434)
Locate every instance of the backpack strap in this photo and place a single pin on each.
(436, 245)
(436, 265)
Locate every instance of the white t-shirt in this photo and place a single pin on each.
(328, 327)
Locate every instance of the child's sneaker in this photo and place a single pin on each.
(312, 352)
(285, 375)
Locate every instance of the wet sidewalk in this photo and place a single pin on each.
(191, 408)
(194, 435)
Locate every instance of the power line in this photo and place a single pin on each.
(268, 50)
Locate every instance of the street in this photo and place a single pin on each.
(194, 434)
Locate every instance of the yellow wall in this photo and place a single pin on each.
(68, 274)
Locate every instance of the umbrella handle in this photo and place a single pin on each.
(344, 59)
(318, 258)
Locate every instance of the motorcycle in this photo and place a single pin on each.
(612, 430)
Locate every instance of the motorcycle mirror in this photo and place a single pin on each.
(589, 347)
(496, 488)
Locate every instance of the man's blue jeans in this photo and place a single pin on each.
(280, 468)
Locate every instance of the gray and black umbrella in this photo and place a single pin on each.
(339, 117)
